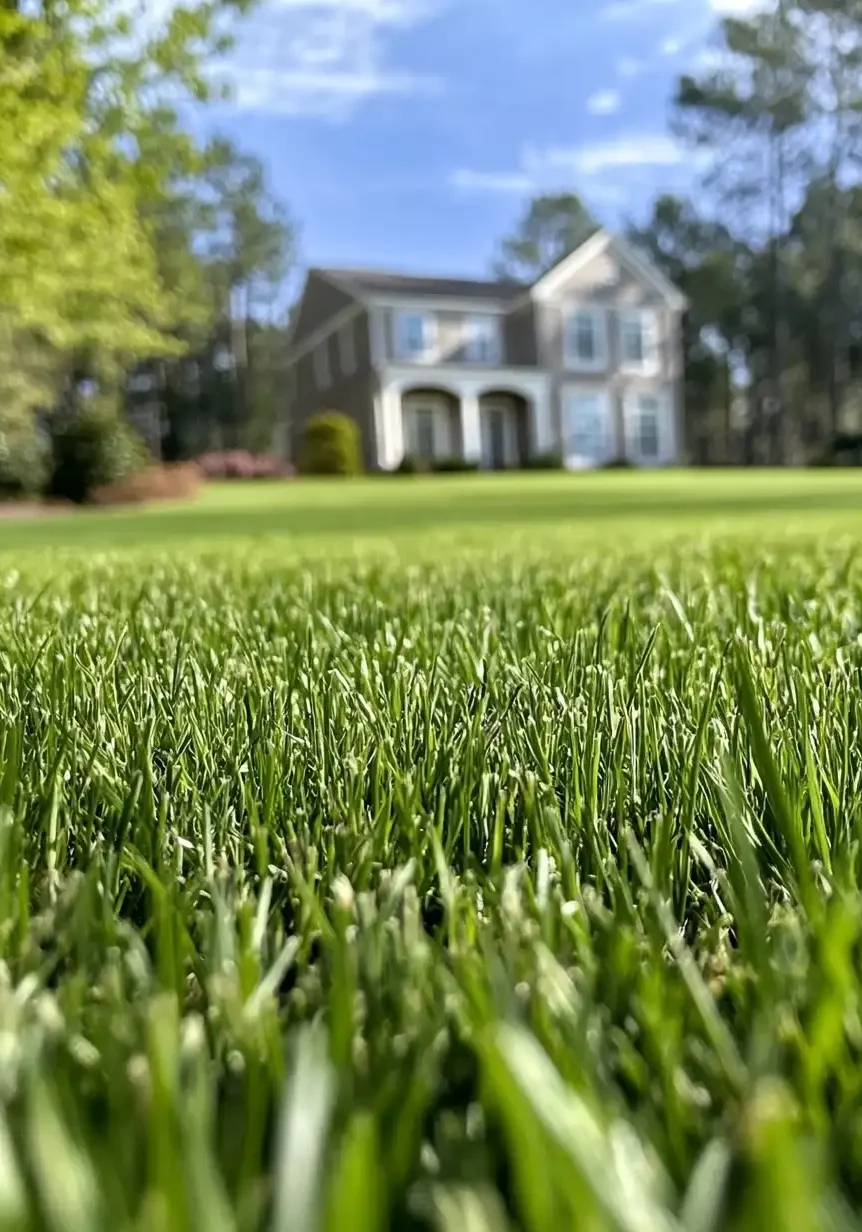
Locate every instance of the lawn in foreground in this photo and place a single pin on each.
(484, 889)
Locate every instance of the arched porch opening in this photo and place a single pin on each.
(431, 419)
(504, 416)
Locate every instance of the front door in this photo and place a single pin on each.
(422, 444)
(496, 438)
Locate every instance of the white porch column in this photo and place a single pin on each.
(543, 434)
(471, 426)
(391, 427)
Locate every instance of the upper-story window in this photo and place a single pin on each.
(638, 341)
(483, 340)
(347, 349)
(585, 339)
(414, 334)
(322, 376)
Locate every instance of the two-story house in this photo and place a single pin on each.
(587, 362)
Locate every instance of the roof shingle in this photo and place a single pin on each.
(360, 282)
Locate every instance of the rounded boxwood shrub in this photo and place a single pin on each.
(25, 461)
(332, 445)
(93, 448)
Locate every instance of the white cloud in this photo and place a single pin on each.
(648, 150)
(497, 182)
(735, 8)
(597, 169)
(321, 92)
(322, 57)
(671, 46)
(604, 102)
(630, 10)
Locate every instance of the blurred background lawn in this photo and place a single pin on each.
(492, 509)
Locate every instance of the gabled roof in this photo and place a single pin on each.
(362, 282)
(625, 252)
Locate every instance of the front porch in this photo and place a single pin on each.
(495, 420)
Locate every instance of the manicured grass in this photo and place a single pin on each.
(483, 508)
(507, 879)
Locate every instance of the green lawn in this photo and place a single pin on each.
(485, 509)
(461, 855)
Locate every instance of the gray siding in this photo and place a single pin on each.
(321, 300)
(352, 393)
(520, 337)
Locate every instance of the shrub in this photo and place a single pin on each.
(410, 465)
(95, 447)
(332, 445)
(454, 465)
(241, 464)
(25, 461)
(174, 481)
(618, 464)
(551, 461)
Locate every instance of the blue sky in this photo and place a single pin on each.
(409, 133)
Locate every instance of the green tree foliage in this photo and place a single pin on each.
(778, 285)
(551, 227)
(91, 160)
(94, 447)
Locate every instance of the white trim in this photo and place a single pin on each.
(550, 284)
(310, 341)
(434, 303)
(467, 383)
(599, 314)
(459, 378)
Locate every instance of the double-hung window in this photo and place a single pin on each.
(585, 339)
(483, 340)
(647, 427)
(414, 335)
(638, 341)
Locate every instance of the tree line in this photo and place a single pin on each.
(148, 270)
(769, 246)
(138, 267)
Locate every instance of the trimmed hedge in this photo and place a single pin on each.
(332, 445)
